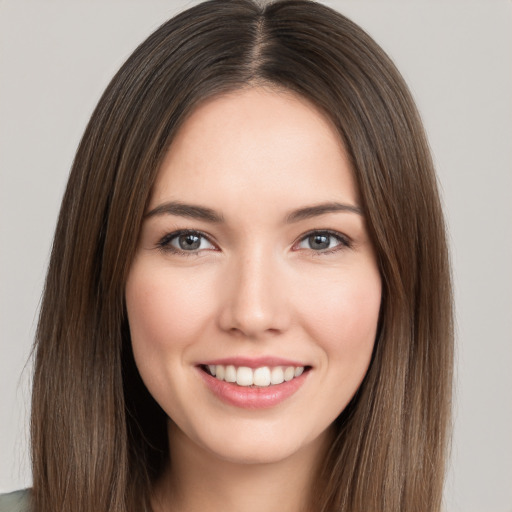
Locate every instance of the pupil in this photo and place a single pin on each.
(189, 242)
(319, 241)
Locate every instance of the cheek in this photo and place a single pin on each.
(342, 316)
(165, 310)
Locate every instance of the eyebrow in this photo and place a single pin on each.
(320, 209)
(186, 210)
(209, 215)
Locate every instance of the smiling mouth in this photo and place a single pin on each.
(264, 376)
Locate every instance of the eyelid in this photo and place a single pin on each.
(164, 244)
(345, 241)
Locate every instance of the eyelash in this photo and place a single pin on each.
(344, 241)
(164, 244)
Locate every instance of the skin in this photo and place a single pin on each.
(256, 286)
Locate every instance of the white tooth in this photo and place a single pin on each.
(211, 367)
(276, 375)
(298, 371)
(244, 376)
(230, 374)
(261, 376)
(220, 371)
(289, 373)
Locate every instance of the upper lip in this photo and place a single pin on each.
(253, 362)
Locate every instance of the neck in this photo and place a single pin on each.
(200, 480)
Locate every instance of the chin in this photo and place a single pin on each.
(257, 444)
(247, 455)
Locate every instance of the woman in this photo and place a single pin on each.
(248, 302)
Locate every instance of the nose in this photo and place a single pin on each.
(254, 300)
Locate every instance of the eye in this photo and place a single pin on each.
(185, 241)
(323, 241)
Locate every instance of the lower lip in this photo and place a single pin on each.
(249, 397)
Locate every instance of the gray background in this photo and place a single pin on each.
(56, 57)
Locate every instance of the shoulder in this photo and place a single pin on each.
(18, 501)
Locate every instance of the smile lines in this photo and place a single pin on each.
(262, 377)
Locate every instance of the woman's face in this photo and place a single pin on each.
(254, 264)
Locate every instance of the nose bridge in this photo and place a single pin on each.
(255, 304)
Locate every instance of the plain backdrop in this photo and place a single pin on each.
(56, 57)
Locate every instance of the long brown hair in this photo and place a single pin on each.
(98, 438)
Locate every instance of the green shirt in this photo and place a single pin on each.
(18, 501)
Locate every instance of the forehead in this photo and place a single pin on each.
(256, 144)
